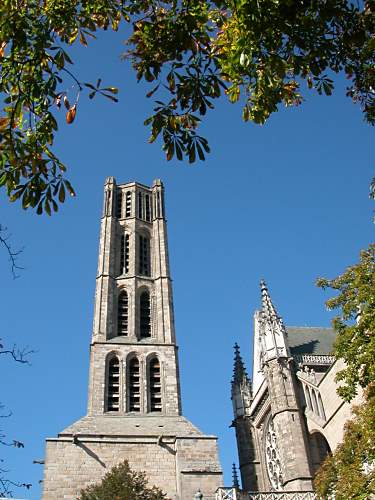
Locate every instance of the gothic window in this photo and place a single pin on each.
(140, 205)
(144, 315)
(123, 314)
(273, 460)
(144, 256)
(119, 205)
(124, 254)
(134, 385)
(128, 204)
(147, 208)
(154, 385)
(113, 385)
(144, 206)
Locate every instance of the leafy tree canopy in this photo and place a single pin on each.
(355, 325)
(350, 471)
(263, 53)
(121, 483)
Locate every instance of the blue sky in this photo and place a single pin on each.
(286, 202)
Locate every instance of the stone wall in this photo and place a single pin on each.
(179, 466)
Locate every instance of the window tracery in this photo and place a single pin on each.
(273, 461)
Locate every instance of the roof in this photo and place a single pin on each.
(310, 339)
(135, 425)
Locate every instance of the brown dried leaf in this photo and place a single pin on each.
(4, 121)
(71, 114)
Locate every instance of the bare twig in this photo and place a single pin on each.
(12, 254)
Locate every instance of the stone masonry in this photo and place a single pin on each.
(134, 402)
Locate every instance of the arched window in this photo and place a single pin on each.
(119, 205)
(124, 254)
(144, 315)
(134, 393)
(128, 204)
(113, 385)
(144, 256)
(123, 314)
(154, 385)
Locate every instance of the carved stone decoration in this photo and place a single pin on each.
(273, 461)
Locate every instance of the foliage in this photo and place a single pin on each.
(350, 472)
(190, 51)
(121, 483)
(355, 325)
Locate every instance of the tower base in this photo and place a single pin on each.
(174, 454)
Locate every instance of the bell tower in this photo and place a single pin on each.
(134, 401)
(133, 307)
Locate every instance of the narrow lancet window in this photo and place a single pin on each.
(144, 315)
(144, 256)
(148, 208)
(119, 205)
(124, 254)
(140, 205)
(123, 314)
(155, 385)
(113, 386)
(128, 204)
(134, 385)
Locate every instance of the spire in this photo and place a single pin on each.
(273, 332)
(239, 370)
(235, 483)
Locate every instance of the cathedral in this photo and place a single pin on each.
(134, 402)
(289, 417)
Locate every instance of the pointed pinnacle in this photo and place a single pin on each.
(235, 483)
(268, 309)
(239, 370)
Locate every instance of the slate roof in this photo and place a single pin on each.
(310, 339)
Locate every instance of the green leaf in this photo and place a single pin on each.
(69, 187)
(192, 154)
(200, 151)
(62, 193)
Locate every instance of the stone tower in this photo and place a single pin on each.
(134, 402)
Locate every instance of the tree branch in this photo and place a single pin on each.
(12, 254)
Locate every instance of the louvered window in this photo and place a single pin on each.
(128, 204)
(144, 256)
(155, 385)
(145, 315)
(123, 314)
(119, 205)
(124, 254)
(113, 386)
(134, 385)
